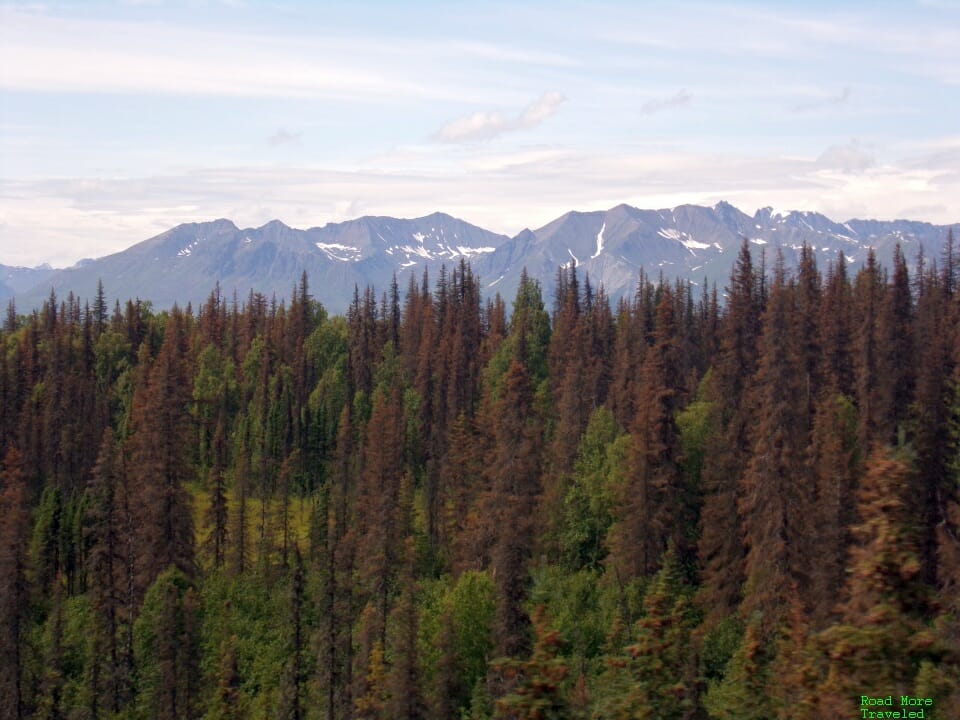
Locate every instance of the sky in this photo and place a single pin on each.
(120, 119)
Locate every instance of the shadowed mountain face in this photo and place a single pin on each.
(691, 242)
(183, 264)
(18, 280)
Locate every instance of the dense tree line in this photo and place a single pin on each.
(736, 503)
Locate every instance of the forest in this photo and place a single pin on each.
(696, 502)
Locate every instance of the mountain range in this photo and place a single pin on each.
(691, 242)
(16, 281)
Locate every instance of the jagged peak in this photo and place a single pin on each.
(219, 223)
(274, 225)
(439, 216)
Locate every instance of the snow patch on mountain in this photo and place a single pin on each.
(338, 251)
(188, 250)
(670, 234)
(421, 251)
(469, 251)
(683, 238)
(599, 241)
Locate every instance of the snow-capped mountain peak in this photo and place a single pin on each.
(611, 246)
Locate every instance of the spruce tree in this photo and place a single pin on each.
(108, 563)
(880, 640)
(775, 495)
(720, 546)
(160, 444)
(14, 619)
(653, 678)
(514, 470)
(868, 298)
(217, 513)
(538, 690)
(654, 507)
(895, 358)
(742, 694)
(378, 520)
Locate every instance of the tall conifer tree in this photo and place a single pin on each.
(160, 444)
(720, 547)
(654, 507)
(14, 619)
(775, 495)
(514, 469)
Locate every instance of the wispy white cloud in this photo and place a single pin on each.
(678, 99)
(918, 41)
(501, 53)
(189, 3)
(530, 159)
(852, 157)
(477, 126)
(487, 125)
(830, 101)
(59, 54)
(538, 111)
(283, 137)
(940, 4)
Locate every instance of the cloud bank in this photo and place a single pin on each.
(40, 221)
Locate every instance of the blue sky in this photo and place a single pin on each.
(121, 119)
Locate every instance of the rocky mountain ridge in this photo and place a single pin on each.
(692, 242)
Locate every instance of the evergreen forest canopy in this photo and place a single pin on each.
(674, 508)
